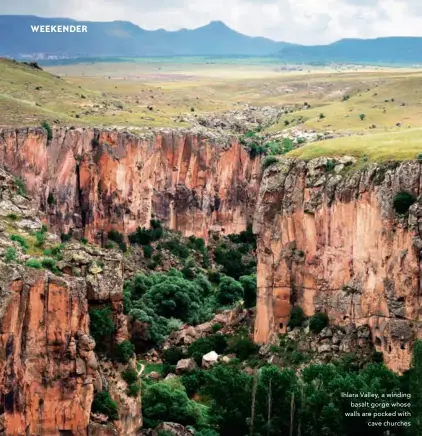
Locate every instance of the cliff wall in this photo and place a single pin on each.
(92, 181)
(330, 239)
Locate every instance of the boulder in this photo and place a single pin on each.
(185, 365)
(209, 359)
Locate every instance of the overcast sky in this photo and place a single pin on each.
(301, 21)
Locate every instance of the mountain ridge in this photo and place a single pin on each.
(126, 39)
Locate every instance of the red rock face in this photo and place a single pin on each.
(335, 244)
(103, 180)
(48, 364)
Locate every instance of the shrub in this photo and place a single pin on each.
(47, 127)
(173, 355)
(204, 345)
(40, 239)
(20, 240)
(33, 263)
(229, 291)
(66, 237)
(20, 184)
(268, 161)
(297, 317)
(129, 375)
(321, 116)
(402, 202)
(148, 250)
(193, 381)
(10, 255)
(242, 346)
(104, 404)
(216, 327)
(144, 236)
(175, 297)
(419, 157)
(176, 247)
(101, 325)
(50, 199)
(12, 216)
(84, 241)
(50, 264)
(118, 238)
(163, 401)
(124, 351)
(249, 290)
(362, 117)
(133, 390)
(318, 322)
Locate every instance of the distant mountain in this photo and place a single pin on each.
(121, 38)
(390, 50)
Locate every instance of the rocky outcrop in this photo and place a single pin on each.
(330, 240)
(48, 363)
(93, 181)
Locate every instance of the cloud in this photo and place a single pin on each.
(302, 21)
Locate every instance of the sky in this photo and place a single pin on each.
(300, 21)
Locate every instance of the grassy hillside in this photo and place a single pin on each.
(28, 96)
(397, 145)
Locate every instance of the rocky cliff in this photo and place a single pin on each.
(331, 240)
(93, 181)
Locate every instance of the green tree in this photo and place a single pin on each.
(101, 324)
(103, 403)
(416, 388)
(164, 401)
(124, 351)
(318, 322)
(249, 289)
(229, 291)
(297, 317)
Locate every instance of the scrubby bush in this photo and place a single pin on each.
(144, 236)
(66, 237)
(47, 127)
(124, 351)
(297, 317)
(104, 404)
(21, 186)
(50, 264)
(268, 161)
(10, 254)
(129, 375)
(33, 263)
(118, 238)
(133, 390)
(148, 250)
(20, 240)
(176, 247)
(318, 322)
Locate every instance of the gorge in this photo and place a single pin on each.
(328, 239)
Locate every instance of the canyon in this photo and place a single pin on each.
(328, 239)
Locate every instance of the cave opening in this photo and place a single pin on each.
(378, 342)
(281, 325)
(402, 202)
